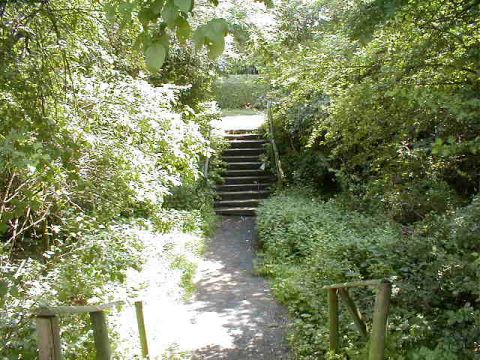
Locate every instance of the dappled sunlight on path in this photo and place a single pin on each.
(232, 315)
(233, 295)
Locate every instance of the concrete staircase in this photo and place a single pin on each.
(246, 183)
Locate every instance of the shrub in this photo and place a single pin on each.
(85, 271)
(239, 91)
(358, 88)
(309, 243)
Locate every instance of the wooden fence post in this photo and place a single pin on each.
(141, 328)
(379, 327)
(333, 319)
(48, 331)
(100, 334)
(352, 308)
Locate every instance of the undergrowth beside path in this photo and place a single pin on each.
(309, 243)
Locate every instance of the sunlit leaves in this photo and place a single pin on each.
(400, 83)
(184, 5)
(157, 6)
(155, 56)
(212, 35)
(183, 30)
(170, 14)
(155, 16)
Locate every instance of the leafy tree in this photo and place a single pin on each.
(160, 18)
(87, 142)
(388, 92)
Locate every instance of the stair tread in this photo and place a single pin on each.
(249, 163)
(246, 173)
(241, 157)
(243, 192)
(247, 140)
(233, 187)
(247, 211)
(243, 170)
(242, 131)
(261, 177)
(237, 201)
(239, 151)
(236, 209)
(240, 136)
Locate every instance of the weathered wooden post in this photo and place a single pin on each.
(278, 164)
(379, 327)
(352, 308)
(333, 319)
(100, 334)
(141, 328)
(49, 347)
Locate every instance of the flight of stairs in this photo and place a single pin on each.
(246, 182)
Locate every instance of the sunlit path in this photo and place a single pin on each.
(231, 316)
(244, 122)
(235, 315)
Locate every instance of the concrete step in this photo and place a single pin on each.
(245, 166)
(238, 173)
(244, 211)
(244, 187)
(247, 144)
(246, 136)
(237, 203)
(235, 159)
(236, 180)
(243, 152)
(243, 195)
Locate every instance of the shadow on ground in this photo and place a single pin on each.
(232, 295)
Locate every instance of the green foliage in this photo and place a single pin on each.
(98, 144)
(240, 91)
(79, 273)
(188, 272)
(87, 141)
(158, 20)
(309, 243)
(385, 93)
(190, 69)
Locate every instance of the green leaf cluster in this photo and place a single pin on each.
(240, 91)
(88, 141)
(309, 243)
(387, 93)
(160, 19)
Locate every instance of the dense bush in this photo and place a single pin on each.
(386, 92)
(78, 273)
(240, 91)
(435, 314)
(87, 142)
(377, 101)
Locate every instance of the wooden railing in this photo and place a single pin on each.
(380, 314)
(48, 329)
(206, 162)
(276, 156)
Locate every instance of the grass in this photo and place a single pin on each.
(237, 112)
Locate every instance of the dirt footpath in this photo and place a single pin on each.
(232, 304)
